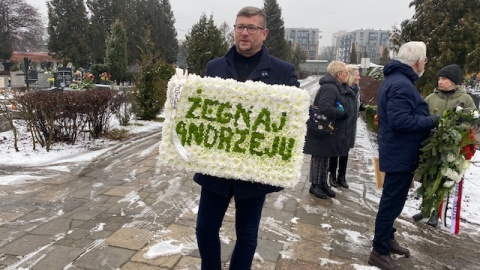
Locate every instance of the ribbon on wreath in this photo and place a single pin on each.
(456, 208)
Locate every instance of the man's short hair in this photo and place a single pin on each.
(250, 11)
(411, 52)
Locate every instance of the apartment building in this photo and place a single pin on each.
(368, 43)
(306, 38)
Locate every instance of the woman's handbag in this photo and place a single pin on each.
(319, 123)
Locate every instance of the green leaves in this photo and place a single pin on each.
(442, 158)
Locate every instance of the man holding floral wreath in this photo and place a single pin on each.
(248, 59)
(404, 123)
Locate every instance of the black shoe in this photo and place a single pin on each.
(418, 216)
(433, 220)
(327, 190)
(384, 262)
(341, 181)
(317, 191)
(332, 179)
(395, 248)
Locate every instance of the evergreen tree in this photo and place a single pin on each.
(451, 35)
(20, 27)
(275, 42)
(298, 56)
(353, 55)
(68, 31)
(377, 74)
(103, 14)
(151, 83)
(228, 34)
(204, 43)
(116, 53)
(385, 57)
(169, 43)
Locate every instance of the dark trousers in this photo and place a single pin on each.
(342, 165)
(318, 169)
(211, 212)
(394, 195)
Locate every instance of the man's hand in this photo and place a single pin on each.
(435, 119)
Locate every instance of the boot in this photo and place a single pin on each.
(395, 248)
(341, 181)
(317, 191)
(418, 216)
(326, 189)
(433, 220)
(332, 179)
(384, 262)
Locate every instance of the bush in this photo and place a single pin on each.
(61, 116)
(151, 89)
(368, 90)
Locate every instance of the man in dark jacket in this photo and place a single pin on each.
(247, 60)
(404, 122)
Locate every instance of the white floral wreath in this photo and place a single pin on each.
(249, 131)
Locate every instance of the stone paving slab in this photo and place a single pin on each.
(111, 213)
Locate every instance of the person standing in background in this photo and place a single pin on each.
(339, 103)
(248, 59)
(335, 180)
(404, 122)
(448, 95)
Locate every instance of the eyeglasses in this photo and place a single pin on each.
(251, 29)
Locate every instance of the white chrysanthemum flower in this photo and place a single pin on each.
(476, 114)
(448, 184)
(450, 157)
(459, 108)
(451, 174)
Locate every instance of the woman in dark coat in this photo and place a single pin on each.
(333, 91)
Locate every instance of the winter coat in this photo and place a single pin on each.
(439, 100)
(269, 70)
(356, 90)
(404, 120)
(343, 137)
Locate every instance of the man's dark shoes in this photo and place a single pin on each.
(418, 216)
(384, 262)
(317, 191)
(332, 179)
(395, 248)
(433, 220)
(341, 181)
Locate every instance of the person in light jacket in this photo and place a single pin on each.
(448, 95)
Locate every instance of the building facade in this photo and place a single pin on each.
(306, 38)
(368, 43)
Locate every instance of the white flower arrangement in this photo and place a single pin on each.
(248, 131)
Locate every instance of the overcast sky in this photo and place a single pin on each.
(327, 16)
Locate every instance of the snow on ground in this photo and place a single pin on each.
(85, 150)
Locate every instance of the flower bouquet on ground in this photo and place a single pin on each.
(88, 81)
(445, 156)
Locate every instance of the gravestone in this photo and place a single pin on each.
(63, 77)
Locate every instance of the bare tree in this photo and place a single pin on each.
(20, 27)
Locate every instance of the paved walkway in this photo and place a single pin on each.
(110, 215)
